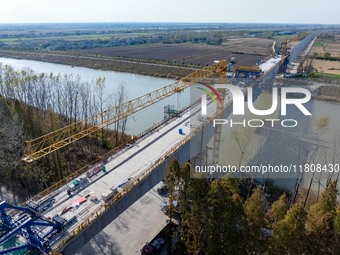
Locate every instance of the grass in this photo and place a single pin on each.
(9, 40)
(318, 44)
(70, 37)
(286, 37)
(324, 75)
(17, 40)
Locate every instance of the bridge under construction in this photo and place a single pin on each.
(71, 212)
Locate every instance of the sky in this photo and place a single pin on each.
(226, 11)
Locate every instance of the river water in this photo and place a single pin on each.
(138, 85)
(304, 144)
(252, 141)
(135, 84)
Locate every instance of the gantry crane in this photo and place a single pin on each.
(51, 142)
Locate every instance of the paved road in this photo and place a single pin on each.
(129, 232)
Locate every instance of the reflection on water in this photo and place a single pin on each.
(136, 85)
(285, 146)
(239, 146)
(14, 242)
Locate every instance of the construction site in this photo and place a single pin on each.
(66, 216)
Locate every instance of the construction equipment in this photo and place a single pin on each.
(246, 71)
(51, 142)
(37, 230)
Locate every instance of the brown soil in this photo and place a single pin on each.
(101, 63)
(246, 52)
(325, 66)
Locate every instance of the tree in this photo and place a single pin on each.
(327, 55)
(121, 97)
(224, 218)
(337, 229)
(320, 224)
(183, 185)
(100, 86)
(288, 235)
(171, 180)
(193, 197)
(278, 209)
(193, 223)
(254, 222)
(313, 151)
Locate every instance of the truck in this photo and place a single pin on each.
(154, 247)
(160, 244)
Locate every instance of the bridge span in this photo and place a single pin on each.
(95, 198)
(99, 195)
(155, 151)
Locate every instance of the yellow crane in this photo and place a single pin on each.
(51, 142)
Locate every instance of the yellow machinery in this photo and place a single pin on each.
(254, 69)
(46, 144)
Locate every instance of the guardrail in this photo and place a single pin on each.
(91, 218)
(77, 173)
(52, 189)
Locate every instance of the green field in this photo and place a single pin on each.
(324, 75)
(9, 40)
(318, 44)
(286, 37)
(70, 37)
(17, 40)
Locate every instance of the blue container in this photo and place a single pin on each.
(180, 131)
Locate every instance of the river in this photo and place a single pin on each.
(253, 141)
(136, 85)
(285, 146)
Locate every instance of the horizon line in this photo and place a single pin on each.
(164, 22)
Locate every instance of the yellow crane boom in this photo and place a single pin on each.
(46, 144)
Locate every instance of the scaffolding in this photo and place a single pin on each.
(170, 112)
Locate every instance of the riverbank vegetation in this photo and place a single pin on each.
(220, 216)
(33, 104)
(103, 63)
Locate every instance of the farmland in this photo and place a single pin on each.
(325, 55)
(247, 51)
(157, 49)
(326, 66)
(320, 48)
(162, 60)
(318, 44)
(104, 63)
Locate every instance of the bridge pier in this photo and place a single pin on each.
(189, 150)
(125, 202)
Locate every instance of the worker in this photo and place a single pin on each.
(69, 193)
(104, 169)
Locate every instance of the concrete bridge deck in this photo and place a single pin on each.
(126, 168)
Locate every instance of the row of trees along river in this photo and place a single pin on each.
(33, 104)
(223, 217)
